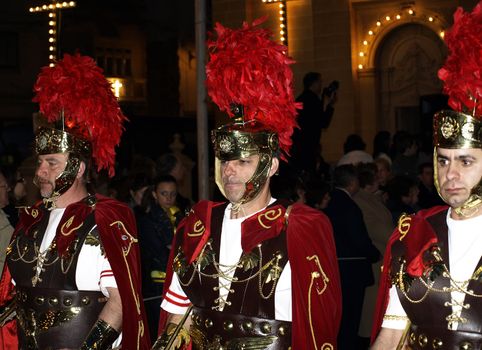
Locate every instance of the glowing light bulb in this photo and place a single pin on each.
(365, 42)
(379, 23)
(360, 66)
(370, 32)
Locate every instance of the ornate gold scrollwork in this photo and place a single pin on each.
(270, 216)
(198, 229)
(404, 223)
(67, 225)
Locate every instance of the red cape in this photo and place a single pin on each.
(118, 233)
(316, 292)
(417, 236)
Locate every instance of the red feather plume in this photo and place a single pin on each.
(246, 67)
(77, 87)
(462, 71)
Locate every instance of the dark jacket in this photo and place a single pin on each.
(354, 247)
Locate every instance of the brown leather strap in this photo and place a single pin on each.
(230, 331)
(441, 338)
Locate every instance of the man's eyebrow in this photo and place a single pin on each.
(465, 156)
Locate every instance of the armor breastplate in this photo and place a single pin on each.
(51, 311)
(251, 296)
(430, 309)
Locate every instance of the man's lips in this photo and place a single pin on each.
(453, 190)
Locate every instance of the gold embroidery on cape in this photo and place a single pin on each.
(314, 276)
(404, 223)
(126, 251)
(270, 215)
(327, 346)
(67, 225)
(198, 229)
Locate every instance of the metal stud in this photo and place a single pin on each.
(39, 300)
(281, 330)
(228, 325)
(466, 346)
(265, 328)
(68, 301)
(53, 301)
(422, 340)
(85, 300)
(247, 326)
(412, 338)
(437, 343)
(208, 323)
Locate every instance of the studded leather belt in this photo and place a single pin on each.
(433, 338)
(56, 319)
(214, 330)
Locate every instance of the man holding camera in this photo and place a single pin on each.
(316, 114)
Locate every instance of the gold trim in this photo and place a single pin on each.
(67, 225)
(270, 215)
(198, 228)
(395, 318)
(314, 275)
(327, 346)
(404, 223)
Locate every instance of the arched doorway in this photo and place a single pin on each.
(406, 65)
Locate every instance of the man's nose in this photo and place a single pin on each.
(452, 171)
(228, 168)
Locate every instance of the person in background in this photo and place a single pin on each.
(378, 221)
(402, 192)
(354, 151)
(355, 250)
(381, 146)
(428, 196)
(315, 115)
(8, 218)
(170, 164)
(156, 231)
(430, 293)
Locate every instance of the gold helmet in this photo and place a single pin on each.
(83, 118)
(249, 78)
(461, 128)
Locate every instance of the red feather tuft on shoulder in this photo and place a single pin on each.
(462, 71)
(246, 67)
(77, 87)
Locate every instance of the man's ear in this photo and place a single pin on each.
(274, 166)
(81, 171)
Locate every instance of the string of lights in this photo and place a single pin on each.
(405, 15)
(53, 10)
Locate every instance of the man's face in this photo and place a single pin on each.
(49, 167)
(458, 171)
(235, 174)
(4, 189)
(317, 86)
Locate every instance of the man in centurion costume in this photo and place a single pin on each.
(73, 259)
(254, 273)
(431, 289)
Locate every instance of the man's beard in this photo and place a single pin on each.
(43, 183)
